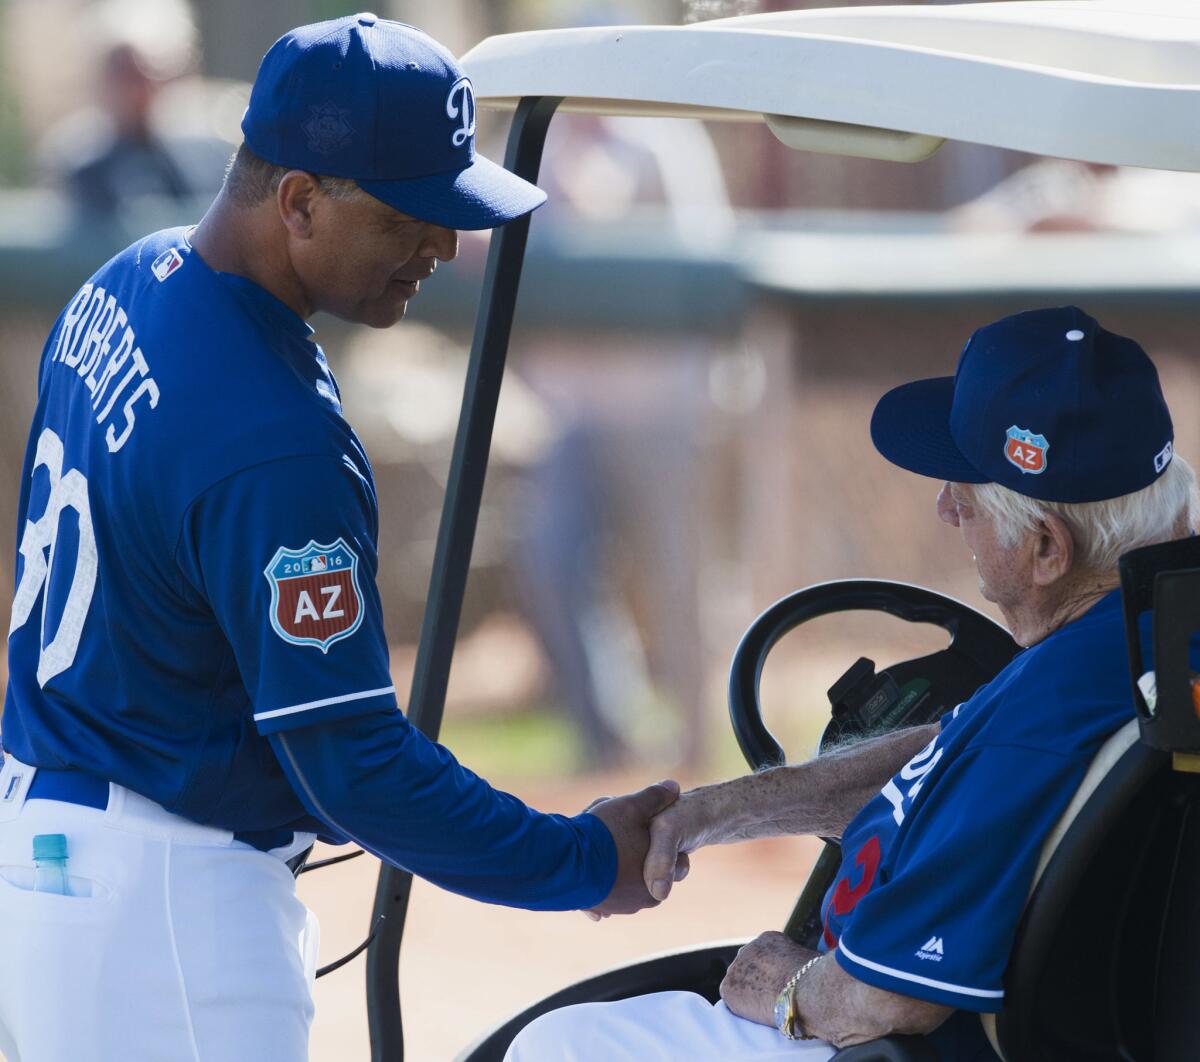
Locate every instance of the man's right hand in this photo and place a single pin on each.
(628, 819)
(691, 822)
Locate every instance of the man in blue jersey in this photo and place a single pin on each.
(199, 677)
(1056, 449)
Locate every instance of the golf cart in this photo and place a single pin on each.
(1095, 973)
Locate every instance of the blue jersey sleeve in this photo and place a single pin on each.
(284, 555)
(940, 922)
(380, 782)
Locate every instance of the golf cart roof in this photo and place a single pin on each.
(1110, 81)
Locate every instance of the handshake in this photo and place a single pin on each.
(653, 831)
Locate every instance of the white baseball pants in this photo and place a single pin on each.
(178, 944)
(662, 1027)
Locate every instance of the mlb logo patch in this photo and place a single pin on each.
(166, 264)
(315, 599)
(1026, 450)
(328, 128)
(1163, 457)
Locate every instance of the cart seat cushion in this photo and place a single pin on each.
(1110, 754)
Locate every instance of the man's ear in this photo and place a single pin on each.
(295, 197)
(1053, 550)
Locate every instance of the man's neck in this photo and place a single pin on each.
(1035, 620)
(244, 241)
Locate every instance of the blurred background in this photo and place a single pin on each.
(706, 321)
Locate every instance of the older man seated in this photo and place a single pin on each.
(1056, 448)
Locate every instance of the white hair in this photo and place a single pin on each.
(1102, 530)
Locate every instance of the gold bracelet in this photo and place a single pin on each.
(791, 1025)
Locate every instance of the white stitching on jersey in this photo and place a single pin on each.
(916, 978)
(321, 704)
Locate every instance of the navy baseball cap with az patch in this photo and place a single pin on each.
(385, 105)
(1046, 403)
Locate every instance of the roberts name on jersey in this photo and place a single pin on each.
(98, 342)
(187, 447)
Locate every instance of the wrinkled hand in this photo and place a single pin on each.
(627, 819)
(758, 975)
(690, 823)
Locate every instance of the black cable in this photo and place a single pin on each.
(329, 862)
(338, 964)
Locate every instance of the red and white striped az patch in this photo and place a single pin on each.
(315, 599)
(1026, 449)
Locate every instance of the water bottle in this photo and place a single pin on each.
(50, 861)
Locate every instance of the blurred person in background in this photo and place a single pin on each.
(1061, 195)
(122, 149)
(615, 500)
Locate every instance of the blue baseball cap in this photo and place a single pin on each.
(385, 105)
(1046, 403)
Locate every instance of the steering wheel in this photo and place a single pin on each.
(863, 701)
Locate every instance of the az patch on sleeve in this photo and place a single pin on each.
(315, 598)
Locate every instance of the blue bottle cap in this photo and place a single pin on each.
(49, 846)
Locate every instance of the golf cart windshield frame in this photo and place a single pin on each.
(452, 558)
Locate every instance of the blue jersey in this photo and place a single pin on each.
(196, 586)
(197, 552)
(937, 867)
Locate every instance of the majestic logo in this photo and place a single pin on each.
(328, 128)
(1026, 450)
(931, 950)
(1163, 457)
(315, 598)
(166, 264)
(460, 104)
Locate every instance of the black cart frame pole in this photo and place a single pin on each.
(452, 560)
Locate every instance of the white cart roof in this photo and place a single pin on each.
(1099, 80)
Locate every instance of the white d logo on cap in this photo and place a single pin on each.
(462, 87)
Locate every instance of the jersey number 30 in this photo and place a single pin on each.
(67, 491)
